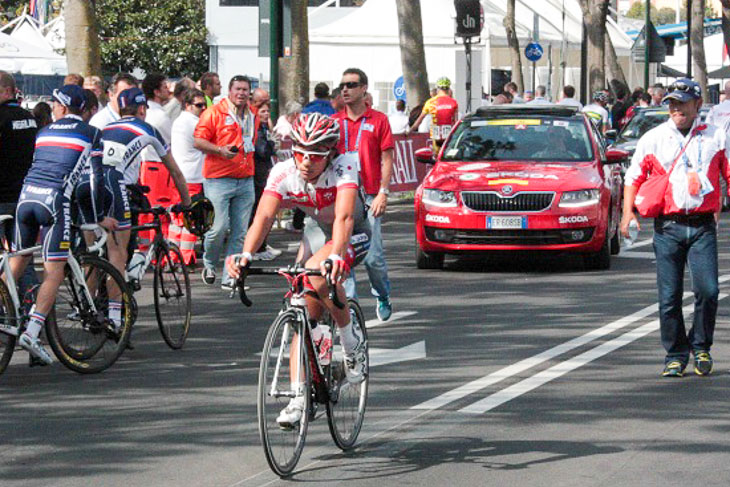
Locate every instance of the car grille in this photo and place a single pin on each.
(509, 237)
(530, 201)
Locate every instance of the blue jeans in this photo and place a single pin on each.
(232, 200)
(374, 262)
(674, 245)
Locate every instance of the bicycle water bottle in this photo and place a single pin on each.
(322, 337)
(135, 267)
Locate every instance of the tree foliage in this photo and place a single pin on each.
(164, 36)
(11, 9)
(664, 15)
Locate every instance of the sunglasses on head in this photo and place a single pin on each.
(350, 85)
(682, 87)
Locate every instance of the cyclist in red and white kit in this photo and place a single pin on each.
(325, 185)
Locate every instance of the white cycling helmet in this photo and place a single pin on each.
(310, 129)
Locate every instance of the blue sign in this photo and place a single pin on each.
(399, 89)
(533, 51)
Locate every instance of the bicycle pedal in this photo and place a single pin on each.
(35, 362)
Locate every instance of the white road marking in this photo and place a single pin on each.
(384, 356)
(374, 323)
(638, 243)
(636, 255)
(531, 383)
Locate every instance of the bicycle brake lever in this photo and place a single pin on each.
(332, 289)
(241, 285)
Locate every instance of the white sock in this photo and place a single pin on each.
(36, 322)
(115, 313)
(349, 340)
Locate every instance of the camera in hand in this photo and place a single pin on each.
(234, 149)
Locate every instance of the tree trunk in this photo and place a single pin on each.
(412, 55)
(514, 46)
(615, 72)
(82, 38)
(726, 24)
(594, 12)
(696, 39)
(294, 77)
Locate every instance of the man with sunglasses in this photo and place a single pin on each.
(367, 133)
(323, 184)
(686, 231)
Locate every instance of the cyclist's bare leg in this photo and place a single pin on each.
(340, 316)
(117, 247)
(52, 279)
(18, 265)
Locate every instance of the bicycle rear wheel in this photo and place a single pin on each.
(283, 447)
(85, 341)
(7, 318)
(346, 408)
(172, 296)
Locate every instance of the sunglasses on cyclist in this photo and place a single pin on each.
(313, 155)
(350, 85)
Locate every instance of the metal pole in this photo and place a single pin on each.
(689, 44)
(467, 52)
(647, 42)
(275, 49)
(584, 66)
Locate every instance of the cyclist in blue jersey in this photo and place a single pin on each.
(122, 142)
(63, 150)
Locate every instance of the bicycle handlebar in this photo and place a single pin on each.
(101, 233)
(294, 270)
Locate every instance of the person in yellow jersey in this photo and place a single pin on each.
(444, 111)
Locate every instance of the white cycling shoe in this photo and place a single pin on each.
(35, 348)
(290, 416)
(356, 364)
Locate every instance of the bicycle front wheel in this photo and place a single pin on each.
(84, 340)
(172, 296)
(281, 381)
(7, 319)
(346, 408)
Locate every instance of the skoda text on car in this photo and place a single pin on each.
(516, 178)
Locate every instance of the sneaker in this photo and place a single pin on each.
(35, 348)
(703, 363)
(208, 276)
(356, 364)
(384, 309)
(269, 254)
(289, 416)
(675, 368)
(227, 285)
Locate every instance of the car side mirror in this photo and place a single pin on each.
(611, 134)
(616, 156)
(425, 156)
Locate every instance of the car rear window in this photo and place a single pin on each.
(643, 122)
(536, 139)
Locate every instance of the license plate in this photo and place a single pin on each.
(506, 222)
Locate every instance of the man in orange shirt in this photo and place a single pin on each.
(226, 133)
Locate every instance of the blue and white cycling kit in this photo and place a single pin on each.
(63, 151)
(122, 142)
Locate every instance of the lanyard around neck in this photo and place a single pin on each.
(359, 135)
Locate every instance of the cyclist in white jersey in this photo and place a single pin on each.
(326, 187)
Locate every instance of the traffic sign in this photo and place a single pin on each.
(469, 18)
(399, 89)
(533, 51)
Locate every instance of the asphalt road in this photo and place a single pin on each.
(524, 371)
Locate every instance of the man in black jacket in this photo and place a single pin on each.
(18, 130)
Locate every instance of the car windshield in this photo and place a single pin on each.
(643, 122)
(537, 138)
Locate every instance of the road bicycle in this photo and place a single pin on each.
(78, 328)
(291, 368)
(171, 285)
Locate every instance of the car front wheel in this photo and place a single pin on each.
(432, 260)
(601, 260)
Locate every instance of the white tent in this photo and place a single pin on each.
(20, 57)
(368, 38)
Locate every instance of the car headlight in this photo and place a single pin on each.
(436, 197)
(578, 199)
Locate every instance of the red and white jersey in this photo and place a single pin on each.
(706, 154)
(316, 199)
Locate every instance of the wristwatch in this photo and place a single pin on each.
(384, 191)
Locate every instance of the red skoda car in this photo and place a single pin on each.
(517, 178)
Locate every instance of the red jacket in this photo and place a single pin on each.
(218, 126)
